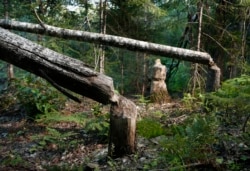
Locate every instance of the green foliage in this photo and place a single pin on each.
(142, 99)
(150, 128)
(98, 125)
(7, 99)
(231, 101)
(245, 3)
(37, 95)
(13, 160)
(53, 117)
(191, 142)
(193, 102)
(54, 140)
(179, 78)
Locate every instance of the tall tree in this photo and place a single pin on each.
(127, 43)
(102, 9)
(136, 19)
(10, 67)
(196, 79)
(224, 35)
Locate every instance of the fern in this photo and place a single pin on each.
(191, 142)
(150, 128)
(232, 100)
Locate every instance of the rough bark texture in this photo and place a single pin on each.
(158, 89)
(67, 72)
(213, 79)
(131, 44)
(73, 75)
(122, 127)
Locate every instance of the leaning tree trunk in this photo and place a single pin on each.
(65, 72)
(121, 42)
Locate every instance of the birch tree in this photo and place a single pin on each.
(121, 42)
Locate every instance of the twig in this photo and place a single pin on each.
(39, 19)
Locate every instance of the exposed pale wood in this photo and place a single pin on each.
(122, 127)
(158, 89)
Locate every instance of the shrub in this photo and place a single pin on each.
(150, 128)
(37, 96)
(191, 142)
(231, 102)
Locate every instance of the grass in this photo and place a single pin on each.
(56, 117)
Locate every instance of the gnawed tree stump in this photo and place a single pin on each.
(122, 127)
(158, 89)
(65, 74)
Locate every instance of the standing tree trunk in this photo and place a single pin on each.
(122, 128)
(144, 74)
(196, 78)
(102, 8)
(10, 68)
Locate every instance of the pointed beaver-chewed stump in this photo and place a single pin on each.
(158, 89)
(122, 128)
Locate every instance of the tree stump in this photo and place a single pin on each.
(158, 89)
(122, 128)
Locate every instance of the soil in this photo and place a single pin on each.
(26, 145)
(19, 150)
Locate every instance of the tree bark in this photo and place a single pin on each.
(102, 8)
(62, 71)
(10, 68)
(67, 72)
(116, 41)
(121, 42)
(122, 127)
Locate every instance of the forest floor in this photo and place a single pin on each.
(29, 145)
(65, 145)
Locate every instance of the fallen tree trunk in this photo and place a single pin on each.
(65, 72)
(121, 42)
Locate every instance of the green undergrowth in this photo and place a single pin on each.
(53, 139)
(231, 103)
(190, 142)
(98, 123)
(50, 118)
(37, 96)
(150, 128)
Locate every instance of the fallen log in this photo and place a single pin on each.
(122, 42)
(65, 72)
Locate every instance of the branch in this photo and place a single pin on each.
(40, 21)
